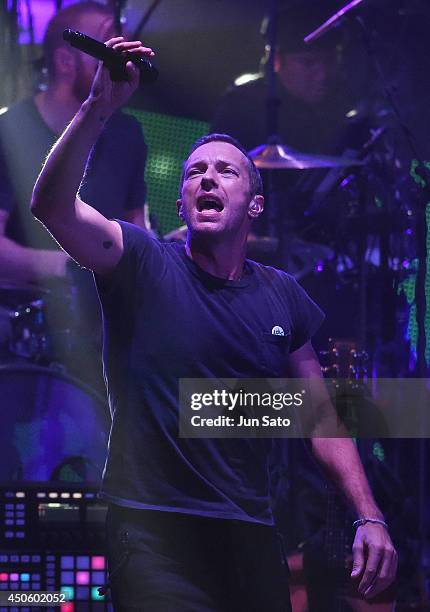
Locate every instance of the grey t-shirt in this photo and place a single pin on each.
(115, 175)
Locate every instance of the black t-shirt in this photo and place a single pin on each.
(166, 319)
(114, 180)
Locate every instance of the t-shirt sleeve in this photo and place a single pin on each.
(306, 315)
(142, 259)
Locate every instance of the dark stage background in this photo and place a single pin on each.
(360, 264)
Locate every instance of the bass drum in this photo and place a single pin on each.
(52, 427)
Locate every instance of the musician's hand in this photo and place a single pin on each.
(374, 559)
(111, 95)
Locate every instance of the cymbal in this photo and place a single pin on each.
(281, 157)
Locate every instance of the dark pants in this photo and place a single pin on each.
(172, 562)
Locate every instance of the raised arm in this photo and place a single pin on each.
(85, 234)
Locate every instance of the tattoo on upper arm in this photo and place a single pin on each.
(107, 244)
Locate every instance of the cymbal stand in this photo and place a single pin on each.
(277, 220)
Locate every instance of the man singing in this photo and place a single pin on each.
(190, 525)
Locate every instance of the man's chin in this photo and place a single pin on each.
(206, 229)
(207, 226)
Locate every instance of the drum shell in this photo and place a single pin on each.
(53, 427)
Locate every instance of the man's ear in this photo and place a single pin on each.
(180, 209)
(256, 206)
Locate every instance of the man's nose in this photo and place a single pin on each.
(209, 180)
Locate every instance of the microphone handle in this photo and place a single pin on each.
(114, 61)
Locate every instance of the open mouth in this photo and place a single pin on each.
(209, 203)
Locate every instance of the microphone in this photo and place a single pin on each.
(114, 61)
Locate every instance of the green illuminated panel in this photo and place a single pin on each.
(169, 140)
(407, 286)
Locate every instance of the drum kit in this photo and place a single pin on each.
(54, 425)
(338, 224)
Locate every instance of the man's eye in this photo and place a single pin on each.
(228, 171)
(193, 172)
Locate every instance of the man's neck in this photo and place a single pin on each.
(221, 260)
(57, 106)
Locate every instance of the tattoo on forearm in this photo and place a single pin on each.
(107, 244)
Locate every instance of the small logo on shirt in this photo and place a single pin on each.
(277, 331)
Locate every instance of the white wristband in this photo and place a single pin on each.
(365, 520)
